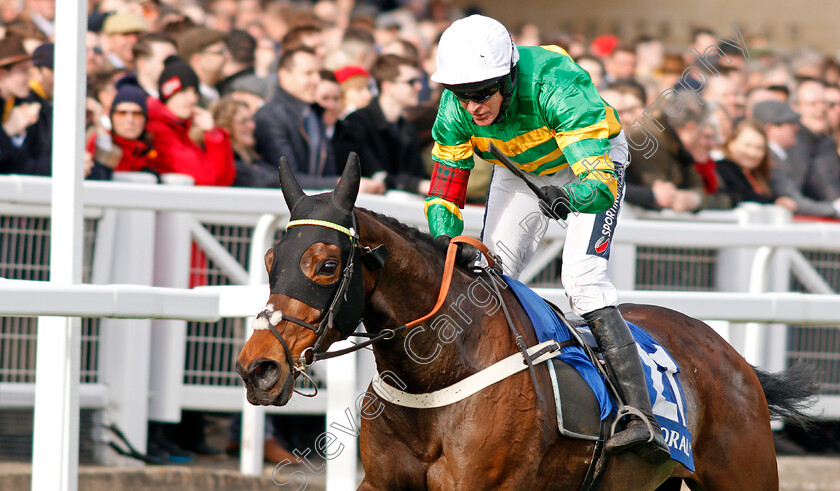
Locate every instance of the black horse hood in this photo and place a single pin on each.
(320, 219)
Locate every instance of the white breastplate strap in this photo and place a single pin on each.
(467, 387)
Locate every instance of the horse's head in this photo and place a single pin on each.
(317, 288)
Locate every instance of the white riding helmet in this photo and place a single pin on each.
(474, 49)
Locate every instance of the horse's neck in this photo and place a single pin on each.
(446, 347)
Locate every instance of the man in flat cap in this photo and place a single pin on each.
(793, 175)
(120, 32)
(780, 122)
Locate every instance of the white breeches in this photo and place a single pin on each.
(514, 228)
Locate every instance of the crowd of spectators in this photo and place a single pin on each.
(718, 126)
(231, 86)
(220, 90)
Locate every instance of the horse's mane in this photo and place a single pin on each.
(424, 240)
(407, 231)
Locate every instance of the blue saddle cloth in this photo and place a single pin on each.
(666, 393)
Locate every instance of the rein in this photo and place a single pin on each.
(526, 358)
(374, 259)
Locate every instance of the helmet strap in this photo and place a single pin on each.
(506, 89)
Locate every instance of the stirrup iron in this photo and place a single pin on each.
(624, 411)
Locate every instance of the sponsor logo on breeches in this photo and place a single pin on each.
(602, 230)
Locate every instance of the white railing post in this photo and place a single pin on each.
(125, 343)
(340, 456)
(753, 331)
(55, 450)
(168, 347)
(253, 417)
(775, 353)
(757, 337)
(735, 270)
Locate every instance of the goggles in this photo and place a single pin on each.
(478, 95)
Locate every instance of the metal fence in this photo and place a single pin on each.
(24, 255)
(16, 435)
(818, 346)
(211, 348)
(675, 269)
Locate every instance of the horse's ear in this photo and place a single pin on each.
(292, 192)
(348, 187)
(269, 260)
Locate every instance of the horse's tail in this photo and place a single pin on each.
(790, 393)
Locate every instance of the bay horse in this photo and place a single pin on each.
(326, 274)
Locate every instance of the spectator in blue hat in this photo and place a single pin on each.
(127, 147)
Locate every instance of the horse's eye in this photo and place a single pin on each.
(328, 268)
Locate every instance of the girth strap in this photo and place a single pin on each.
(461, 390)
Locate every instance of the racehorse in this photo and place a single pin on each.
(327, 273)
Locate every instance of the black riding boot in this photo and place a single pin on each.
(619, 350)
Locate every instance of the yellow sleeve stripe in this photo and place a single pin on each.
(453, 152)
(516, 145)
(612, 121)
(440, 201)
(552, 170)
(607, 178)
(592, 164)
(532, 166)
(599, 168)
(597, 130)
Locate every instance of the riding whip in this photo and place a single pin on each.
(511, 166)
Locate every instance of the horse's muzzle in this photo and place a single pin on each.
(261, 380)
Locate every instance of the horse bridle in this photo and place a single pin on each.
(373, 259)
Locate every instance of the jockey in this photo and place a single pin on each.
(542, 110)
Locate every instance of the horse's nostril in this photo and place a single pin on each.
(266, 373)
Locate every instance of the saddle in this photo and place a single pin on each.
(579, 416)
(576, 405)
(579, 391)
(581, 398)
(578, 410)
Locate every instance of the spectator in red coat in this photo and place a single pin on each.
(170, 120)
